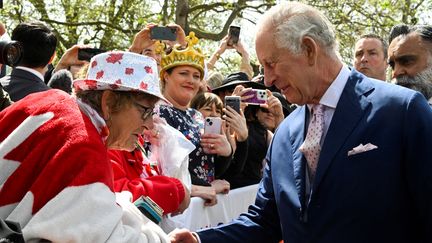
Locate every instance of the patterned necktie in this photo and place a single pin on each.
(311, 147)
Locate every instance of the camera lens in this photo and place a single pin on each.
(10, 52)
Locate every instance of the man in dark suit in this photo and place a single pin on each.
(410, 57)
(39, 44)
(352, 164)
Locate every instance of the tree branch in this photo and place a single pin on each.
(91, 23)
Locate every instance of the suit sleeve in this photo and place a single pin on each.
(259, 224)
(418, 162)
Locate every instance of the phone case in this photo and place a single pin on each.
(259, 97)
(233, 102)
(234, 34)
(87, 53)
(163, 33)
(212, 125)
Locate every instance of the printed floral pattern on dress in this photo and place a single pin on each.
(189, 123)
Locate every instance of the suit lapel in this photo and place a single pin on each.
(297, 131)
(350, 109)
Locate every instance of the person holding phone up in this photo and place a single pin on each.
(150, 42)
(241, 50)
(181, 74)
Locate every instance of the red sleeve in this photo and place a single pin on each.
(167, 192)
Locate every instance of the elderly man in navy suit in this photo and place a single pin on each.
(352, 164)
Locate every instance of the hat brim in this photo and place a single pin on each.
(249, 84)
(79, 83)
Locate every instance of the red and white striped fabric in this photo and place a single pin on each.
(56, 180)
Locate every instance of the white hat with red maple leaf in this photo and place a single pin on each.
(122, 71)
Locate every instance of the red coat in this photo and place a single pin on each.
(55, 177)
(133, 173)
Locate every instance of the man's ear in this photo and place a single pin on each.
(52, 58)
(310, 49)
(105, 104)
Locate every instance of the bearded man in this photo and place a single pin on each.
(410, 57)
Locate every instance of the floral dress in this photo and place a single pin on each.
(190, 122)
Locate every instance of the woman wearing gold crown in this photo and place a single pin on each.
(181, 74)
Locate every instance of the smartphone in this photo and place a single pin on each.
(233, 102)
(163, 33)
(212, 125)
(259, 96)
(234, 34)
(85, 54)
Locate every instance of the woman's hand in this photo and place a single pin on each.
(275, 107)
(216, 143)
(142, 39)
(180, 38)
(237, 123)
(207, 193)
(70, 57)
(221, 186)
(240, 90)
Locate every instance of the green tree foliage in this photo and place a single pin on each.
(111, 24)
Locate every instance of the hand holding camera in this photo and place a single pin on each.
(233, 35)
(171, 34)
(142, 39)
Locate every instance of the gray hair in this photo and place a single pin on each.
(293, 21)
(424, 31)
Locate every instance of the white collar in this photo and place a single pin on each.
(334, 91)
(31, 70)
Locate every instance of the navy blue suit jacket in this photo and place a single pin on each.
(22, 83)
(382, 195)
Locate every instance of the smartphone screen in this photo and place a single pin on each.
(233, 102)
(234, 34)
(163, 33)
(85, 54)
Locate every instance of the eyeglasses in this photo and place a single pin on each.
(146, 112)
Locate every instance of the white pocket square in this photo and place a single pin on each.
(361, 149)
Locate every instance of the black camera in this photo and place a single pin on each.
(10, 52)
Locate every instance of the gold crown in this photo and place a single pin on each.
(190, 56)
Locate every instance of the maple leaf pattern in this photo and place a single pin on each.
(91, 84)
(114, 57)
(129, 71)
(148, 69)
(143, 85)
(94, 64)
(99, 74)
(116, 84)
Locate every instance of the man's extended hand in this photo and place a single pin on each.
(183, 236)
